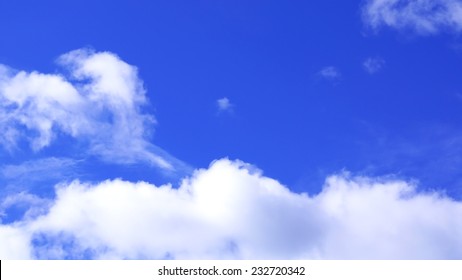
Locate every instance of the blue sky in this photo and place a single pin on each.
(324, 97)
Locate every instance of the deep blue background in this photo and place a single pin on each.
(265, 56)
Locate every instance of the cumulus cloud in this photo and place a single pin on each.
(420, 16)
(15, 243)
(330, 73)
(98, 104)
(227, 211)
(224, 105)
(373, 65)
(231, 210)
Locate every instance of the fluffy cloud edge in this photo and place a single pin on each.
(232, 211)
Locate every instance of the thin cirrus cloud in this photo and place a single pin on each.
(98, 104)
(37, 175)
(373, 65)
(420, 16)
(330, 73)
(232, 211)
(37, 168)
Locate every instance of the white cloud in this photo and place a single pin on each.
(14, 243)
(231, 211)
(224, 105)
(373, 64)
(100, 104)
(421, 16)
(330, 73)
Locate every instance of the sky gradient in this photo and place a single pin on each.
(259, 129)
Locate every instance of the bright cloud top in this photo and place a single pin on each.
(421, 16)
(231, 211)
(98, 104)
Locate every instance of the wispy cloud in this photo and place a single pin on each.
(22, 206)
(224, 105)
(231, 210)
(430, 152)
(330, 73)
(99, 104)
(38, 175)
(420, 16)
(373, 65)
(37, 168)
